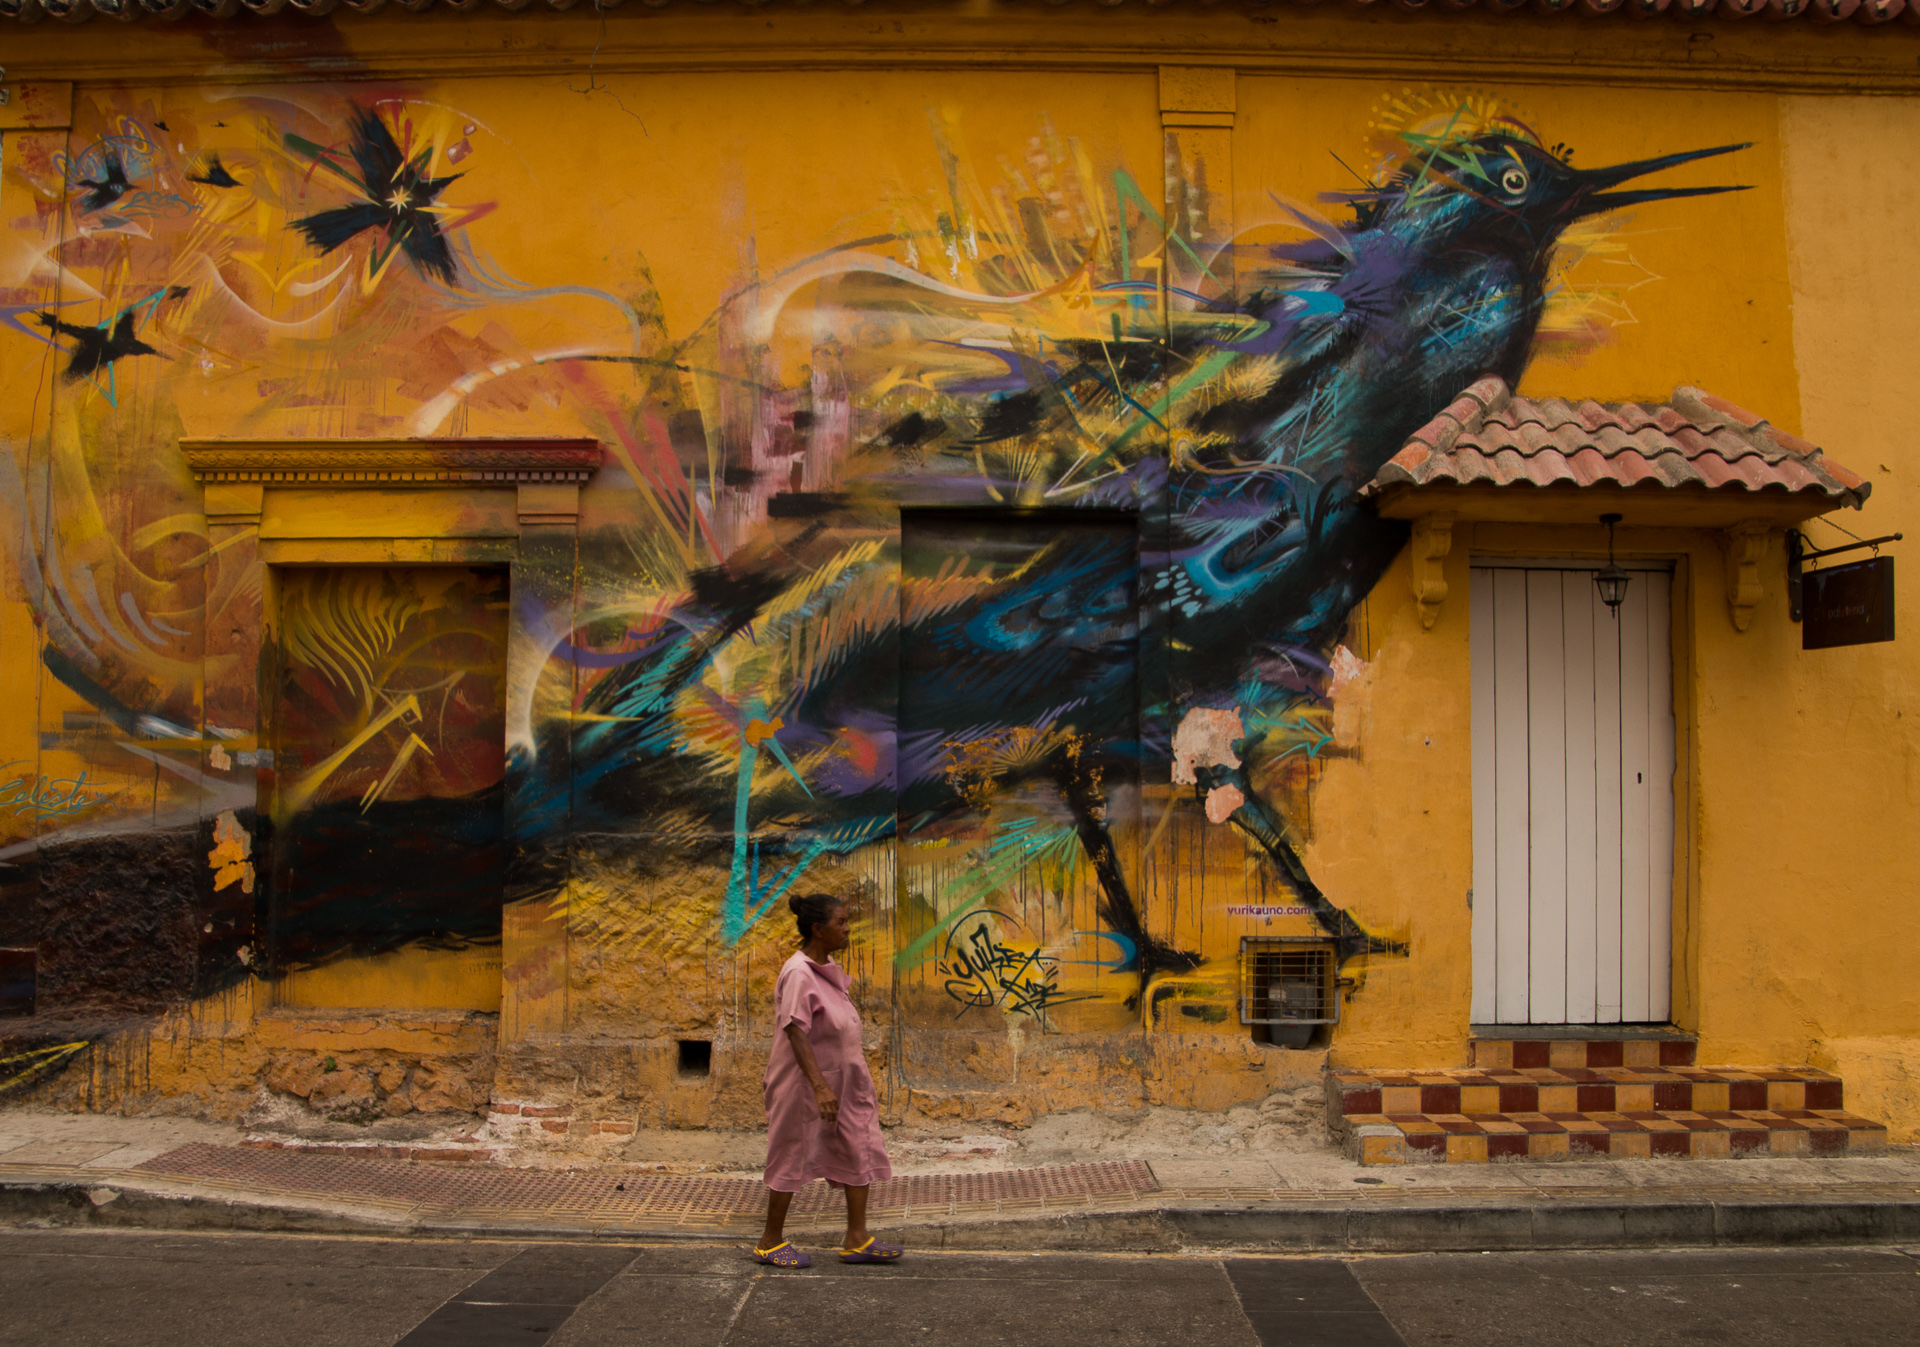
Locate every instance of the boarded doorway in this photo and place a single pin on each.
(1573, 764)
(1018, 760)
(389, 754)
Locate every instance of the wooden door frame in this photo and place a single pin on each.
(1509, 542)
(512, 502)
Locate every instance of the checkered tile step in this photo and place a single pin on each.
(1528, 1053)
(1557, 1098)
(1476, 1138)
(1583, 1089)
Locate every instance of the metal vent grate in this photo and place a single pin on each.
(1288, 982)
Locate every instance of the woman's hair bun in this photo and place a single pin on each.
(811, 910)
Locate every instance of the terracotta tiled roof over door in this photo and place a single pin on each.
(1489, 437)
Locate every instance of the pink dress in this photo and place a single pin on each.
(800, 1148)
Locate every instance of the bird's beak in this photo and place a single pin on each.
(1594, 198)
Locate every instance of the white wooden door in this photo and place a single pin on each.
(1573, 764)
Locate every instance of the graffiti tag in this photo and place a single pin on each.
(49, 797)
(983, 971)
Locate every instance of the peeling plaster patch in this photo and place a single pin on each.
(232, 845)
(1205, 739)
(1222, 801)
(1346, 667)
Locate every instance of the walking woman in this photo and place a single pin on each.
(823, 1118)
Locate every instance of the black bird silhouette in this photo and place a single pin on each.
(216, 174)
(97, 347)
(398, 194)
(111, 186)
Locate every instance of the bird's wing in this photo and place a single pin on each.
(375, 152)
(331, 228)
(123, 342)
(423, 242)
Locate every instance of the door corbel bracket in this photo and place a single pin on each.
(1432, 540)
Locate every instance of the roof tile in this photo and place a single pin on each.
(1866, 12)
(1488, 437)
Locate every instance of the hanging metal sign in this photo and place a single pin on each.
(1847, 605)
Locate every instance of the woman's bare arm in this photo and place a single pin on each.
(823, 1094)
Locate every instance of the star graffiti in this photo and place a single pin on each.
(399, 196)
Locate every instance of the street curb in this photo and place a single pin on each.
(116, 1205)
(1368, 1225)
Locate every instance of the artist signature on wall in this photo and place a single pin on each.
(49, 797)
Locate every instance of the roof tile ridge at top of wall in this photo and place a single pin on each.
(1868, 13)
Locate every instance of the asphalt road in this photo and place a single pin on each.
(138, 1289)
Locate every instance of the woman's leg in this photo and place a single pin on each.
(776, 1229)
(856, 1218)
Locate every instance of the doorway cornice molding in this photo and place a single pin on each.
(392, 463)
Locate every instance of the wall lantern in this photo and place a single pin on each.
(1611, 581)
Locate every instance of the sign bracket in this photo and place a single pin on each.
(1798, 553)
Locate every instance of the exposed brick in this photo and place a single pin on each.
(614, 1129)
(507, 1110)
(555, 1125)
(546, 1110)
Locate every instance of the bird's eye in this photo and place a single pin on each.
(1514, 181)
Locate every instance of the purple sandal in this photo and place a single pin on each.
(872, 1252)
(782, 1254)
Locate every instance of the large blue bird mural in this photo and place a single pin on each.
(1232, 442)
(1001, 515)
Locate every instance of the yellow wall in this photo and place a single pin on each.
(1822, 844)
(672, 188)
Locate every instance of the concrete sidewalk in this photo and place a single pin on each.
(89, 1169)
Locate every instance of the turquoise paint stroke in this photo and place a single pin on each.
(747, 901)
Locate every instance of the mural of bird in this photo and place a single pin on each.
(398, 199)
(1254, 548)
(111, 185)
(214, 174)
(1442, 278)
(95, 348)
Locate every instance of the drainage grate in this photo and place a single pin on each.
(472, 1191)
